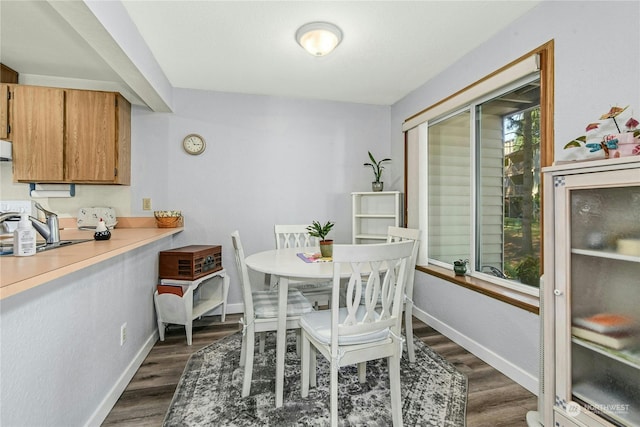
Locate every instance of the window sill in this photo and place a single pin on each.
(518, 299)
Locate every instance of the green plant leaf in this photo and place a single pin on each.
(576, 143)
(316, 229)
(376, 166)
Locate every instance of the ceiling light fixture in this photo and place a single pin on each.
(319, 38)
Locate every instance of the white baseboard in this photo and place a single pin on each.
(512, 371)
(107, 404)
(235, 308)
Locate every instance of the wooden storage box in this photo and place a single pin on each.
(190, 262)
(170, 289)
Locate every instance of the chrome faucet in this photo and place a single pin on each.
(49, 230)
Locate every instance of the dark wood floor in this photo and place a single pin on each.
(493, 399)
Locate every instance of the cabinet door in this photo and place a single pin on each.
(598, 319)
(5, 115)
(38, 134)
(91, 136)
(123, 150)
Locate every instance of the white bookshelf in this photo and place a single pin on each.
(373, 213)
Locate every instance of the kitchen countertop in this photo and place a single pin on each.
(18, 274)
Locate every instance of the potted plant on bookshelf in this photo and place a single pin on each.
(377, 167)
(316, 229)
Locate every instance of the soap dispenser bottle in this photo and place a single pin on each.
(24, 237)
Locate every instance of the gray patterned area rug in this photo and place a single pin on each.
(434, 393)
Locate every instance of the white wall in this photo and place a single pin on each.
(268, 160)
(593, 71)
(62, 363)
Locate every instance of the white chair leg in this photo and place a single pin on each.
(362, 372)
(394, 384)
(189, 330)
(408, 328)
(248, 364)
(334, 394)
(161, 329)
(243, 350)
(305, 360)
(313, 367)
(261, 337)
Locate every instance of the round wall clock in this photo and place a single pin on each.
(194, 144)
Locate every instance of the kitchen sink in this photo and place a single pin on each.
(61, 244)
(7, 249)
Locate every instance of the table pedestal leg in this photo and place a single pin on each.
(281, 344)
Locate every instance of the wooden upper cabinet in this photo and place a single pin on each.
(8, 75)
(98, 135)
(38, 134)
(5, 115)
(95, 145)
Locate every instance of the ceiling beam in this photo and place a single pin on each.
(108, 29)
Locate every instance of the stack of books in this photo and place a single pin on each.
(314, 257)
(612, 330)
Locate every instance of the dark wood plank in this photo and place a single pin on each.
(493, 399)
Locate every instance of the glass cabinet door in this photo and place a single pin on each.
(602, 290)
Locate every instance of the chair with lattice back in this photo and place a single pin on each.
(297, 236)
(397, 234)
(261, 312)
(357, 332)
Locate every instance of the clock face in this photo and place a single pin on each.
(194, 144)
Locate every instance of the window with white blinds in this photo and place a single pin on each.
(449, 212)
(465, 180)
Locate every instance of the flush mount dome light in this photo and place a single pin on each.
(319, 38)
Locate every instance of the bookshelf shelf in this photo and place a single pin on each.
(629, 357)
(606, 254)
(608, 404)
(373, 213)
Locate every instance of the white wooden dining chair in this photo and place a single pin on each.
(297, 236)
(357, 333)
(261, 312)
(398, 234)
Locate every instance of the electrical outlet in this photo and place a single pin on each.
(146, 204)
(123, 333)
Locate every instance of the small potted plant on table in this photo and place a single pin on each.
(377, 167)
(316, 229)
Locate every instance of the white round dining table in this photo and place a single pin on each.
(285, 264)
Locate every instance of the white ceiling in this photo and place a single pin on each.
(389, 49)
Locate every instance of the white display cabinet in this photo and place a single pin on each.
(591, 294)
(373, 213)
(199, 297)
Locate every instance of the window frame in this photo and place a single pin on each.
(487, 284)
(474, 202)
